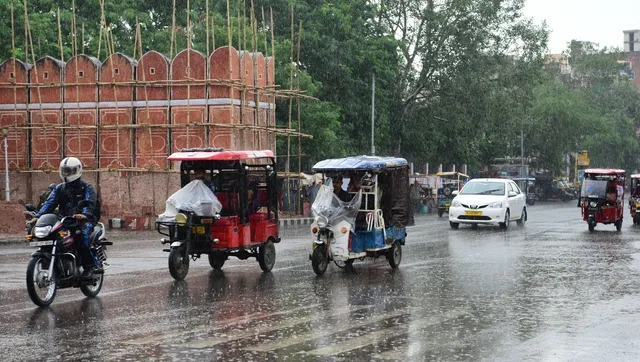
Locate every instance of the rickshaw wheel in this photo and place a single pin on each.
(267, 256)
(178, 263)
(394, 255)
(216, 260)
(440, 212)
(592, 226)
(619, 225)
(319, 261)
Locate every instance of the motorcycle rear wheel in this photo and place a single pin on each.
(36, 283)
(91, 291)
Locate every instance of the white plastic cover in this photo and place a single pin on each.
(195, 197)
(328, 205)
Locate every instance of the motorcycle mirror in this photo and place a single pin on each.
(30, 207)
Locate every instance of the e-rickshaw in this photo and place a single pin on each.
(526, 185)
(634, 201)
(448, 182)
(368, 219)
(244, 225)
(602, 196)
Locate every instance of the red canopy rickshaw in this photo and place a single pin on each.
(602, 197)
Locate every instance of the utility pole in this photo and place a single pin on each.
(521, 153)
(373, 113)
(7, 188)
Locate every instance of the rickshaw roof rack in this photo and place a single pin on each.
(635, 175)
(203, 154)
(451, 173)
(204, 149)
(523, 179)
(362, 163)
(605, 171)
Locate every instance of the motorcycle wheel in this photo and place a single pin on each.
(91, 291)
(178, 263)
(36, 284)
(267, 256)
(319, 261)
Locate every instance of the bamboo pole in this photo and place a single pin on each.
(35, 69)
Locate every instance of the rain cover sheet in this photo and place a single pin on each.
(195, 197)
(327, 204)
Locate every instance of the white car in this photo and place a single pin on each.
(488, 201)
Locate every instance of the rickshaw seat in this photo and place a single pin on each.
(227, 221)
(229, 201)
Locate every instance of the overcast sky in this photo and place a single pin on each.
(599, 21)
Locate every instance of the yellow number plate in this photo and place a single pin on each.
(200, 230)
(473, 213)
(447, 205)
(637, 205)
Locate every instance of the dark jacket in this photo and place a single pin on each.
(67, 196)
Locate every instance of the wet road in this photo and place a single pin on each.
(550, 291)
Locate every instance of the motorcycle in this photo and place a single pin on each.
(55, 264)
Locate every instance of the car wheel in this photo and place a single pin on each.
(523, 217)
(474, 226)
(505, 225)
(454, 225)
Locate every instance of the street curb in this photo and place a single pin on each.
(12, 241)
(295, 222)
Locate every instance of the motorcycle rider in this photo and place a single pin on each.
(66, 197)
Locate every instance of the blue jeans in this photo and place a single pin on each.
(88, 227)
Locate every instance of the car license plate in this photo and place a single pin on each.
(473, 213)
(41, 243)
(447, 205)
(638, 206)
(200, 230)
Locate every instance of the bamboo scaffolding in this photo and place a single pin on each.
(249, 89)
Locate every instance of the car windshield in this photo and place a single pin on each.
(484, 188)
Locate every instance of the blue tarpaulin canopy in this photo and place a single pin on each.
(363, 163)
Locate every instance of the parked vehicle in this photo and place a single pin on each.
(634, 200)
(55, 265)
(371, 218)
(526, 185)
(488, 201)
(449, 182)
(238, 218)
(602, 197)
(547, 188)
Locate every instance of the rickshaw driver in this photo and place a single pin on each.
(339, 191)
(199, 174)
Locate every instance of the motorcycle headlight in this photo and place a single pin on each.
(455, 203)
(42, 231)
(322, 222)
(593, 204)
(495, 205)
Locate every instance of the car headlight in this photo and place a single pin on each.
(495, 205)
(455, 203)
(181, 219)
(42, 231)
(593, 204)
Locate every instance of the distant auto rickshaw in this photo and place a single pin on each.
(547, 188)
(368, 219)
(634, 200)
(448, 182)
(238, 217)
(602, 197)
(526, 185)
